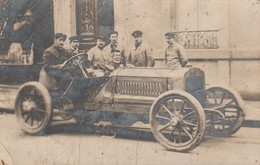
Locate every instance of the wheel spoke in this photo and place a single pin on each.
(174, 106)
(38, 114)
(179, 135)
(32, 118)
(230, 102)
(162, 117)
(171, 135)
(167, 110)
(187, 132)
(39, 110)
(37, 99)
(183, 105)
(188, 114)
(228, 111)
(27, 118)
(25, 113)
(190, 124)
(223, 97)
(166, 126)
(215, 99)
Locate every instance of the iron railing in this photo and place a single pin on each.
(204, 39)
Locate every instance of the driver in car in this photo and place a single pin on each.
(54, 58)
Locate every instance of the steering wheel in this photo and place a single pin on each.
(77, 60)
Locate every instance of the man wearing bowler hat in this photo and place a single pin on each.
(175, 54)
(140, 54)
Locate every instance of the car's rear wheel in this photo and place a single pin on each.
(177, 121)
(33, 108)
(230, 104)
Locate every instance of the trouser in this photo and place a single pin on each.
(62, 77)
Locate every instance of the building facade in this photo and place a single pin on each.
(221, 36)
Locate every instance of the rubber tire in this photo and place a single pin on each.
(239, 123)
(48, 108)
(201, 127)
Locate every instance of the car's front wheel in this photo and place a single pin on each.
(33, 108)
(177, 121)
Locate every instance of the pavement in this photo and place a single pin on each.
(252, 111)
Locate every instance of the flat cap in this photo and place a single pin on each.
(100, 37)
(72, 38)
(137, 33)
(112, 51)
(58, 35)
(170, 34)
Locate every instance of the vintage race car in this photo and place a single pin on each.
(178, 107)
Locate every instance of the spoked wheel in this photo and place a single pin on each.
(33, 107)
(177, 121)
(231, 105)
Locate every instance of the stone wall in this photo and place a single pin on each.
(236, 62)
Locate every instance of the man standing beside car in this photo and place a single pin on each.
(175, 54)
(140, 55)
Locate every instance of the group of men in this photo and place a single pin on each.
(103, 59)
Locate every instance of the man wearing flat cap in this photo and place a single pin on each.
(98, 58)
(53, 58)
(114, 45)
(175, 54)
(140, 54)
(74, 45)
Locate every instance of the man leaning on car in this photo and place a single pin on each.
(175, 54)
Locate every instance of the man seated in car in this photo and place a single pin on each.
(115, 62)
(98, 58)
(74, 45)
(52, 73)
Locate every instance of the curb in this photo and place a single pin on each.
(251, 123)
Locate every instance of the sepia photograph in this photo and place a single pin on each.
(129, 82)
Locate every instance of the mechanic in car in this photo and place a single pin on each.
(98, 58)
(52, 73)
(74, 45)
(139, 55)
(114, 45)
(115, 62)
(175, 54)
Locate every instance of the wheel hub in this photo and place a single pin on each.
(28, 105)
(178, 119)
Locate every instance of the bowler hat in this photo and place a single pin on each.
(137, 33)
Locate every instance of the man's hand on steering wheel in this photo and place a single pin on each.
(76, 60)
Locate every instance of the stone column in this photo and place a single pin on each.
(64, 16)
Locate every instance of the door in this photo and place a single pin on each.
(94, 17)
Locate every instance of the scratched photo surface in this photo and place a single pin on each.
(129, 82)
